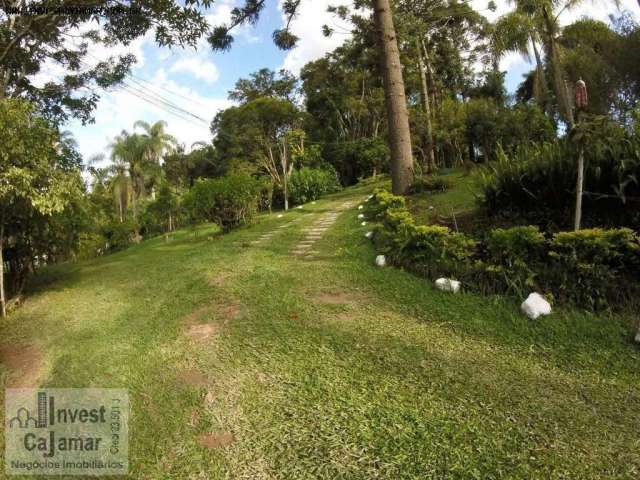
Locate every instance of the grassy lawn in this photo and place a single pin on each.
(458, 201)
(330, 367)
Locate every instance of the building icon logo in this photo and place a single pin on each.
(24, 419)
(68, 431)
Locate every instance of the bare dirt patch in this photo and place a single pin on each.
(201, 332)
(336, 297)
(193, 377)
(219, 279)
(24, 363)
(219, 313)
(216, 440)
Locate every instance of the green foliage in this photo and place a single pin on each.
(229, 201)
(119, 235)
(591, 268)
(309, 184)
(537, 182)
(596, 267)
(91, 245)
(513, 256)
(40, 191)
(357, 159)
(382, 201)
(429, 183)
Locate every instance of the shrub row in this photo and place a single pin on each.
(592, 268)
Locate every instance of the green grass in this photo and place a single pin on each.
(458, 201)
(333, 368)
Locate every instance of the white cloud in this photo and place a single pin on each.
(120, 109)
(307, 25)
(199, 67)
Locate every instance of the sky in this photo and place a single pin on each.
(198, 80)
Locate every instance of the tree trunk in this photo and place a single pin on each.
(285, 175)
(541, 77)
(579, 187)
(431, 161)
(3, 301)
(558, 82)
(395, 100)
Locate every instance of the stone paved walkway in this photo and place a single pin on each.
(304, 248)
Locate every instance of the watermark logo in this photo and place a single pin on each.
(66, 431)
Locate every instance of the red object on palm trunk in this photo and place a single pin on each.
(582, 98)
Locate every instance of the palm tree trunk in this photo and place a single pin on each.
(395, 100)
(431, 161)
(285, 174)
(541, 77)
(3, 301)
(558, 82)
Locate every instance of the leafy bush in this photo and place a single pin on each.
(592, 268)
(382, 201)
(119, 235)
(309, 184)
(229, 201)
(429, 184)
(512, 258)
(537, 182)
(360, 158)
(90, 245)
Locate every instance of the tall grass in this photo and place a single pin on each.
(537, 182)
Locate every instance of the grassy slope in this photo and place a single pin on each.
(458, 200)
(396, 380)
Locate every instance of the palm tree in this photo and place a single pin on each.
(127, 153)
(541, 17)
(156, 142)
(515, 32)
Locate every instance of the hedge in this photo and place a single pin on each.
(593, 268)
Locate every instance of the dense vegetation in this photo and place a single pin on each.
(592, 268)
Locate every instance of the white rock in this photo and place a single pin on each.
(535, 305)
(381, 261)
(313, 203)
(637, 339)
(280, 216)
(363, 223)
(368, 235)
(448, 285)
(360, 207)
(361, 215)
(299, 206)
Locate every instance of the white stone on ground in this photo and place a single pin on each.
(363, 223)
(361, 215)
(448, 285)
(368, 235)
(299, 206)
(535, 305)
(381, 261)
(280, 216)
(360, 207)
(313, 203)
(637, 339)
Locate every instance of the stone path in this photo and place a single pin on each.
(266, 236)
(316, 230)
